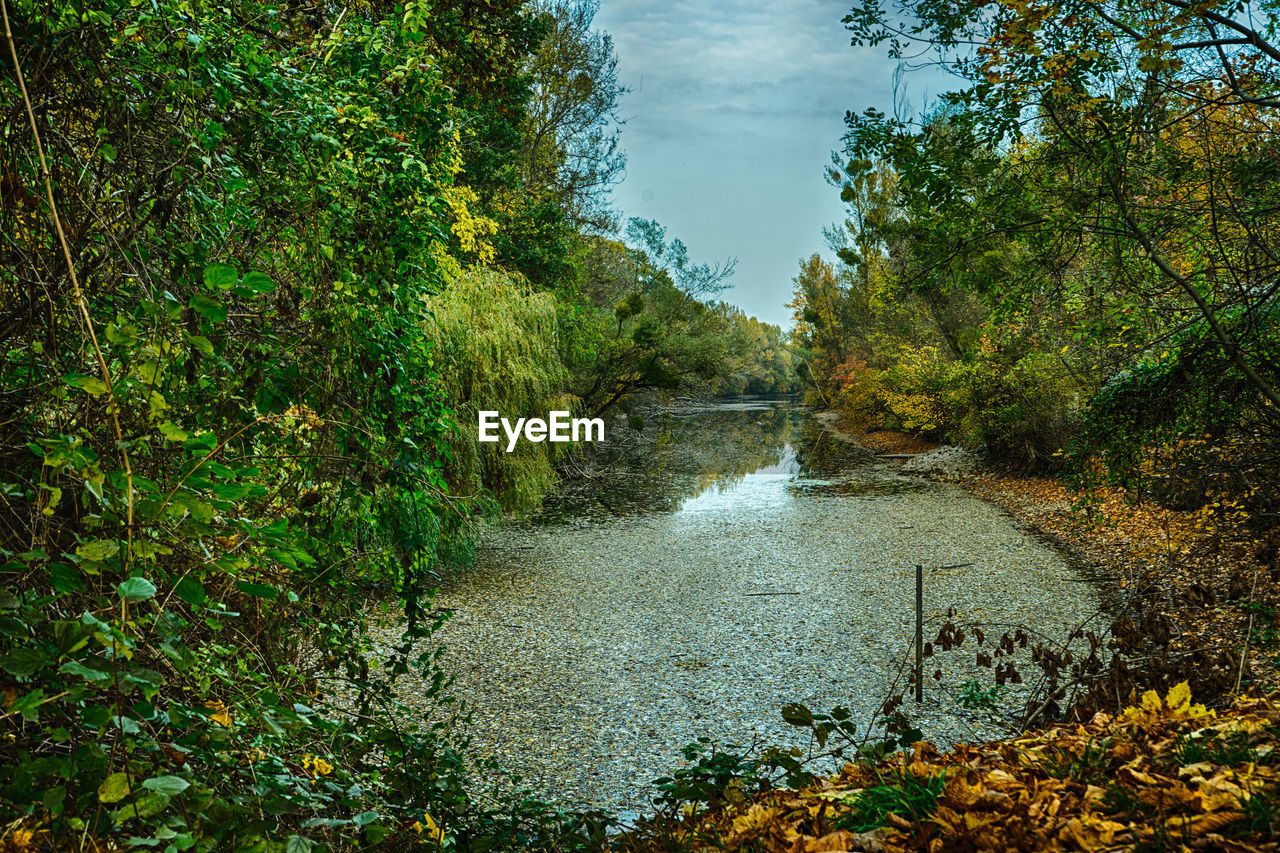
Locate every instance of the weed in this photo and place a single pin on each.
(911, 797)
(1089, 766)
(1262, 811)
(974, 697)
(713, 771)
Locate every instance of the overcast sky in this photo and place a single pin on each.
(734, 110)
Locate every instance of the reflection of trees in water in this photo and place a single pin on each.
(822, 455)
(680, 455)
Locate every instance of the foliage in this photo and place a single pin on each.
(223, 424)
(572, 127)
(634, 323)
(1074, 219)
(254, 274)
(905, 796)
(714, 775)
(495, 344)
(1144, 790)
(759, 358)
(975, 697)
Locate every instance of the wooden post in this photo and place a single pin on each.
(919, 633)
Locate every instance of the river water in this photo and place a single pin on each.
(729, 560)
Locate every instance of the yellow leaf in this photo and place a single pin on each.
(429, 828)
(221, 714)
(1179, 698)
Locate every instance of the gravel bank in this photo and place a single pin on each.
(952, 463)
(590, 652)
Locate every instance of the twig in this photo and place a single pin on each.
(1244, 652)
(771, 593)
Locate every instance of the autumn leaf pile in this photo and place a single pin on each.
(1163, 774)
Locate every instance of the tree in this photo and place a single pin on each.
(641, 331)
(1116, 83)
(1108, 169)
(571, 131)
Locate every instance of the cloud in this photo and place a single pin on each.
(734, 109)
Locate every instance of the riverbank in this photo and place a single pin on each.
(1163, 774)
(1189, 597)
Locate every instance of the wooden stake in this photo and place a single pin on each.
(919, 633)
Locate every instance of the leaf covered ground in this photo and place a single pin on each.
(1164, 774)
(1199, 588)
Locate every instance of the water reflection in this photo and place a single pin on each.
(767, 487)
(749, 454)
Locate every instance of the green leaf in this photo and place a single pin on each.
(281, 556)
(364, 818)
(136, 589)
(191, 591)
(55, 495)
(22, 662)
(257, 589)
(90, 384)
(230, 491)
(29, 706)
(297, 844)
(65, 578)
(201, 343)
(258, 282)
(146, 807)
(221, 276)
(209, 308)
(797, 714)
(114, 788)
(170, 785)
(202, 443)
(147, 548)
(189, 504)
(122, 335)
(99, 550)
(72, 667)
(172, 432)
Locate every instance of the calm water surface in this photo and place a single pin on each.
(726, 561)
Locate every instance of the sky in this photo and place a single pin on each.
(734, 109)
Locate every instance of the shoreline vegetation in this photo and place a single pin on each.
(261, 265)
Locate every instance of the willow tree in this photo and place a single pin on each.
(496, 348)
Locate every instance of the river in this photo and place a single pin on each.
(731, 560)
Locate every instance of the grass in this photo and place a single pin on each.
(1089, 765)
(1231, 749)
(913, 798)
